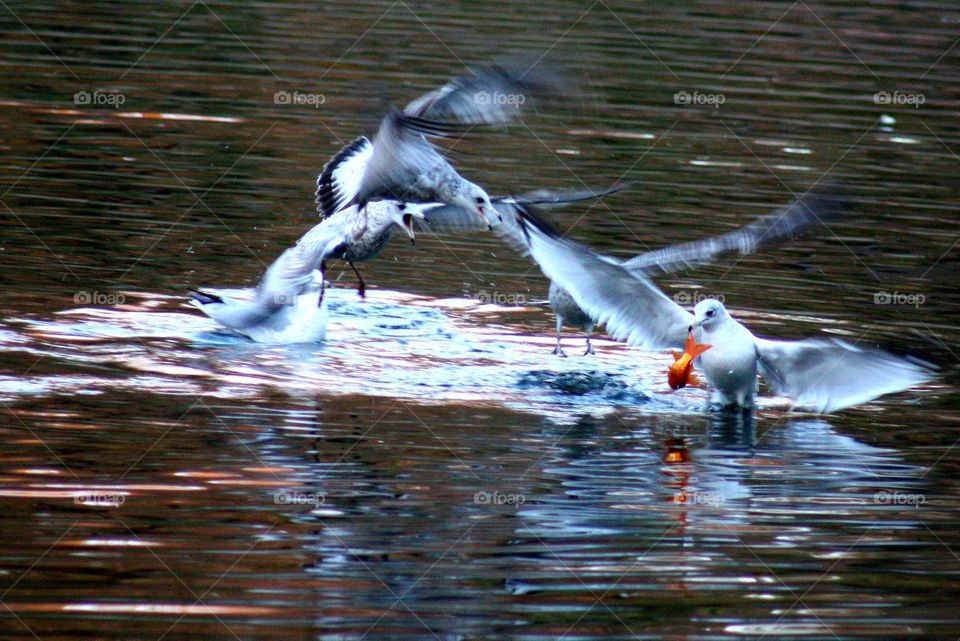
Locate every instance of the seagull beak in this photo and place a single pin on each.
(483, 216)
(408, 227)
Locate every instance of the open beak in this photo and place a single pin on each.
(481, 210)
(408, 227)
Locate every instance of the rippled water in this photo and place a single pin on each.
(432, 471)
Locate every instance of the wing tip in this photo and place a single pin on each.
(328, 193)
(204, 298)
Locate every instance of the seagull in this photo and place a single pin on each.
(340, 180)
(288, 305)
(765, 232)
(821, 374)
(401, 164)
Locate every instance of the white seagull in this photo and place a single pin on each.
(401, 164)
(288, 305)
(340, 183)
(822, 374)
(767, 231)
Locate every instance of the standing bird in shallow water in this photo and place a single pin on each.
(822, 374)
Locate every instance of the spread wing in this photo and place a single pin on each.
(784, 224)
(632, 307)
(827, 374)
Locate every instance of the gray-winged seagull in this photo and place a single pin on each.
(822, 374)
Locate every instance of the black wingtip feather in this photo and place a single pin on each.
(204, 298)
(328, 198)
(534, 216)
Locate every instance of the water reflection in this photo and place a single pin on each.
(430, 469)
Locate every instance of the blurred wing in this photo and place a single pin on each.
(767, 231)
(631, 306)
(450, 218)
(827, 374)
(487, 95)
(292, 273)
(340, 179)
(400, 158)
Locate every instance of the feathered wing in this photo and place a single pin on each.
(340, 179)
(290, 276)
(451, 218)
(632, 307)
(489, 94)
(828, 374)
(767, 231)
(399, 160)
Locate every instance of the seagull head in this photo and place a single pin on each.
(476, 200)
(404, 214)
(709, 314)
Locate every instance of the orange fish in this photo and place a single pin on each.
(681, 373)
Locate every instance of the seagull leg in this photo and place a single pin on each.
(589, 346)
(323, 282)
(558, 351)
(362, 287)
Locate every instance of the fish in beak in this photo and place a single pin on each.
(681, 373)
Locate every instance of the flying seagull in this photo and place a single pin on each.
(822, 374)
(765, 232)
(288, 305)
(339, 182)
(400, 164)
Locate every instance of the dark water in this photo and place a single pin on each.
(431, 471)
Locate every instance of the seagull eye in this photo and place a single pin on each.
(479, 200)
(709, 312)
